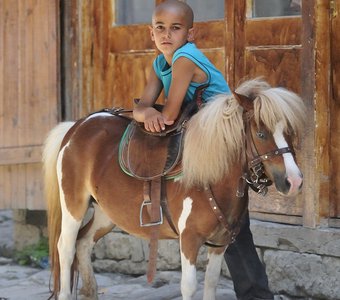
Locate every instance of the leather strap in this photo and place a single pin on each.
(164, 205)
(233, 229)
(155, 193)
(217, 211)
(260, 158)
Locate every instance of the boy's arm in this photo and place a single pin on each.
(144, 111)
(183, 71)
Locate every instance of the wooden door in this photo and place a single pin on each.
(28, 97)
(268, 43)
(335, 110)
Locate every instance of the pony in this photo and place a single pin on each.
(233, 142)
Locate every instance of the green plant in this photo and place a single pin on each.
(34, 255)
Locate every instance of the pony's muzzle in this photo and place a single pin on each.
(289, 186)
(295, 183)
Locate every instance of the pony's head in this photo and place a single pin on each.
(275, 117)
(257, 117)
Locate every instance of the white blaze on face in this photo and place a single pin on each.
(293, 173)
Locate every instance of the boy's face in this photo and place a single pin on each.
(170, 30)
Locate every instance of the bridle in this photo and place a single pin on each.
(254, 174)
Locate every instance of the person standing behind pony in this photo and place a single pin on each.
(179, 70)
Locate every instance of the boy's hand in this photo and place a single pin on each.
(154, 121)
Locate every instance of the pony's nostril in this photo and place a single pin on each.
(294, 184)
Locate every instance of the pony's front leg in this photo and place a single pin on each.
(189, 246)
(189, 280)
(212, 273)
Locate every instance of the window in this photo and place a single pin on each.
(140, 11)
(275, 8)
(133, 11)
(207, 10)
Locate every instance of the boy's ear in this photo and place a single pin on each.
(151, 33)
(191, 34)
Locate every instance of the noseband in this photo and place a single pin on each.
(254, 174)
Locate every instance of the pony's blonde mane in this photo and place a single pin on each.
(215, 135)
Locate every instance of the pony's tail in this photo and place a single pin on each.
(50, 156)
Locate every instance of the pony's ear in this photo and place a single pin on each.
(244, 101)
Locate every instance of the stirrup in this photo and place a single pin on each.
(145, 204)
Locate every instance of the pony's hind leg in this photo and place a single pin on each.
(212, 273)
(97, 227)
(66, 249)
(74, 204)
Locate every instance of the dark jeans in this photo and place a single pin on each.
(247, 272)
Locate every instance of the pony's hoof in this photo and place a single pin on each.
(83, 297)
(86, 294)
(65, 296)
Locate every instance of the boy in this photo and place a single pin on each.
(179, 70)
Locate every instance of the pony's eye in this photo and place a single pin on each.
(260, 134)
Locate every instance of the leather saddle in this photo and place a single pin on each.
(146, 155)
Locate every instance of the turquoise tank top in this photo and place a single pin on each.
(215, 80)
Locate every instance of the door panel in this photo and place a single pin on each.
(276, 65)
(273, 31)
(28, 97)
(137, 67)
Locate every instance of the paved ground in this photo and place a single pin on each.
(27, 283)
(23, 283)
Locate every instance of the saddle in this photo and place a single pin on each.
(153, 158)
(146, 155)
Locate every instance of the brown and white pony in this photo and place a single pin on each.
(81, 164)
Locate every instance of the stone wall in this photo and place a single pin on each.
(300, 262)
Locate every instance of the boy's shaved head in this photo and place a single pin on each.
(178, 6)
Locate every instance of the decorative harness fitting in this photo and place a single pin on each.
(254, 174)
